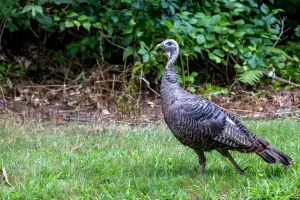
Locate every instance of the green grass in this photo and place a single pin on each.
(98, 161)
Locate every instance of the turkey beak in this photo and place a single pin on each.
(159, 45)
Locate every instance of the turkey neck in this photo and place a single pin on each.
(169, 84)
(170, 88)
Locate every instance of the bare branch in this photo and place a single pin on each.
(282, 31)
(273, 76)
(148, 85)
(142, 78)
(122, 48)
(3, 26)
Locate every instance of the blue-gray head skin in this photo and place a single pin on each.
(172, 50)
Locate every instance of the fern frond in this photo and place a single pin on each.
(251, 76)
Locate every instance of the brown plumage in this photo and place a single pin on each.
(203, 126)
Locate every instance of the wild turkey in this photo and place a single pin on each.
(203, 126)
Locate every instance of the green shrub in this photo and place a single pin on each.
(237, 36)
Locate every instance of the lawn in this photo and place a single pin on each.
(119, 161)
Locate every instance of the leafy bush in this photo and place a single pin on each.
(236, 36)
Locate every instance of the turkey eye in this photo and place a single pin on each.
(169, 43)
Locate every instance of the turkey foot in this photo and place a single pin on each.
(202, 161)
(226, 154)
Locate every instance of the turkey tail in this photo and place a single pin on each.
(269, 153)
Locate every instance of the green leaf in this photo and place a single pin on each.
(4, 10)
(189, 79)
(251, 76)
(2, 68)
(56, 18)
(115, 18)
(44, 20)
(72, 14)
(73, 48)
(132, 22)
(98, 25)
(193, 21)
(199, 15)
(297, 31)
(77, 23)
(211, 45)
(136, 4)
(239, 22)
(146, 57)
(197, 49)
(276, 11)
(12, 27)
(247, 54)
(109, 30)
(194, 74)
(172, 9)
(219, 52)
(240, 32)
(139, 33)
(127, 40)
(252, 62)
(38, 9)
(33, 13)
(264, 8)
(142, 51)
(192, 89)
(215, 19)
(83, 17)
(200, 39)
(210, 36)
(213, 57)
(87, 26)
(69, 23)
(27, 8)
(281, 65)
(168, 24)
(126, 53)
(238, 5)
(62, 26)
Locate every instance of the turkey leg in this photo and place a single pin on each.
(226, 153)
(202, 160)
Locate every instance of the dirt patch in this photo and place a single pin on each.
(59, 104)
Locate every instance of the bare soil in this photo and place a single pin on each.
(58, 104)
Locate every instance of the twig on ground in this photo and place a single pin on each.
(273, 76)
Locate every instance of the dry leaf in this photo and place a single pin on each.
(25, 91)
(13, 139)
(5, 177)
(59, 121)
(18, 98)
(105, 112)
(76, 147)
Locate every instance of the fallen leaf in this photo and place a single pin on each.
(5, 177)
(59, 121)
(105, 112)
(13, 139)
(76, 147)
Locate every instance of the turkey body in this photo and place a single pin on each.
(203, 126)
(196, 122)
